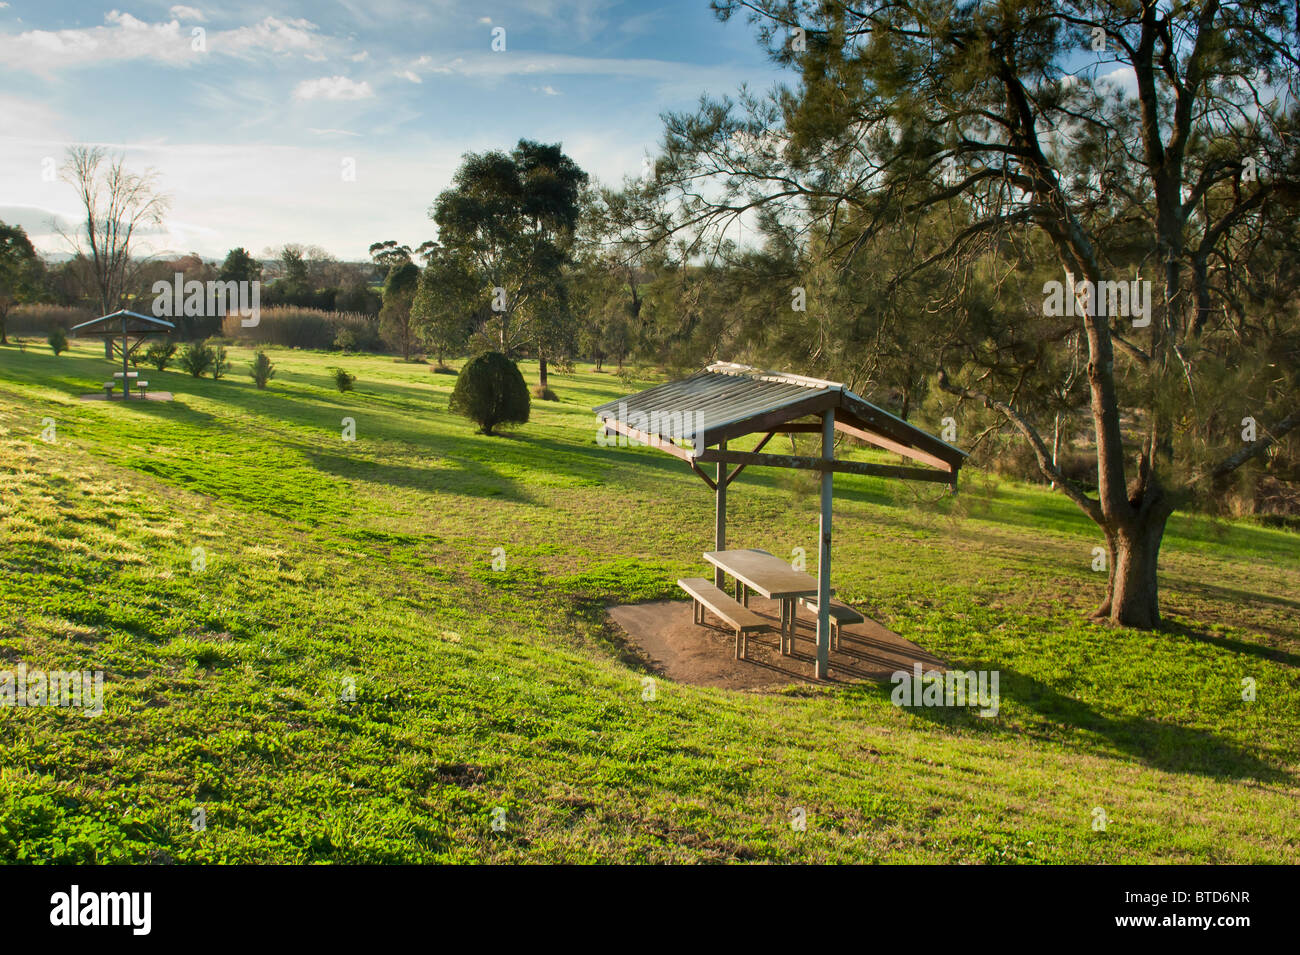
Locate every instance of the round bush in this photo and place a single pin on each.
(490, 391)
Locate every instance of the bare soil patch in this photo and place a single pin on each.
(681, 650)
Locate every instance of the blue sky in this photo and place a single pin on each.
(251, 133)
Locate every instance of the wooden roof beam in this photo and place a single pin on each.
(820, 464)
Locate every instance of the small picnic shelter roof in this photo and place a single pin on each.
(123, 321)
(726, 401)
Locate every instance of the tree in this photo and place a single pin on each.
(970, 135)
(388, 254)
(116, 203)
(19, 272)
(511, 218)
(448, 304)
(490, 391)
(240, 266)
(395, 315)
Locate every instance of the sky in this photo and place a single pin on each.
(336, 124)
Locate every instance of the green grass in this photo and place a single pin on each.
(371, 561)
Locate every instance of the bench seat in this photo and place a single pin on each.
(741, 619)
(839, 613)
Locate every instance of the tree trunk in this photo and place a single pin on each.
(1132, 591)
(541, 369)
(1056, 445)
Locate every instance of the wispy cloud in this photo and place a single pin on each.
(333, 88)
(124, 38)
(182, 12)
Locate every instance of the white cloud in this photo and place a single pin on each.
(548, 89)
(333, 88)
(410, 75)
(182, 12)
(124, 38)
(1123, 77)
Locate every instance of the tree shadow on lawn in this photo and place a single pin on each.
(1231, 595)
(466, 477)
(1218, 641)
(1164, 746)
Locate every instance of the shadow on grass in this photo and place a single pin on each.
(1221, 642)
(1163, 746)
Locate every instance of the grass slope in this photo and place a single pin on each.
(371, 562)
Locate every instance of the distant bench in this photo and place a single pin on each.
(743, 620)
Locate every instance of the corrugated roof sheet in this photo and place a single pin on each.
(136, 324)
(726, 395)
(705, 401)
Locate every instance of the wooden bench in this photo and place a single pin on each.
(743, 620)
(838, 613)
(141, 386)
(108, 388)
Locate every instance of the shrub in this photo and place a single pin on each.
(545, 394)
(159, 354)
(490, 391)
(58, 340)
(197, 358)
(262, 370)
(342, 380)
(345, 340)
(220, 364)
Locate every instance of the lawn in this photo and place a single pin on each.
(234, 566)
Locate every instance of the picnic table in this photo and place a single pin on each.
(761, 572)
(127, 380)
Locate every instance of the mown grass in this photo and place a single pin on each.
(475, 689)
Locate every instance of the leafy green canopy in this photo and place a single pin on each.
(510, 219)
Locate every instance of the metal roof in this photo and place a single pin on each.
(727, 400)
(132, 322)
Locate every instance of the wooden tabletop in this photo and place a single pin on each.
(760, 571)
